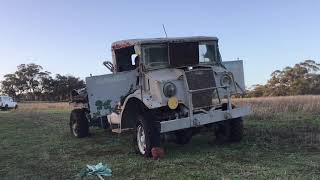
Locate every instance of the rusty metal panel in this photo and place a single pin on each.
(133, 42)
(106, 92)
(236, 67)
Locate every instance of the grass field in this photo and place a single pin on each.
(282, 141)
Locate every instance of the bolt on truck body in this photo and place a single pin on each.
(163, 86)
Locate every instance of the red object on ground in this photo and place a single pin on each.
(157, 152)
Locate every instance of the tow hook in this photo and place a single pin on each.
(227, 115)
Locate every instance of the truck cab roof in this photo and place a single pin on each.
(132, 42)
(123, 51)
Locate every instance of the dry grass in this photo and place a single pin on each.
(34, 106)
(260, 106)
(287, 104)
(286, 120)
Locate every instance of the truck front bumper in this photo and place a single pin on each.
(200, 119)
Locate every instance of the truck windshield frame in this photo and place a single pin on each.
(209, 53)
(156, 56)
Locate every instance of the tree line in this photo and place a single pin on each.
(301, 79)
(30, 82)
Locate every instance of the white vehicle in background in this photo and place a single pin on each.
(7, 102)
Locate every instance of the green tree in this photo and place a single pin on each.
(30, 82)
(63, 85)
(10, 85)
(257, 91)
(302, 78)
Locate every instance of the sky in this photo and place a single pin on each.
(74, 37)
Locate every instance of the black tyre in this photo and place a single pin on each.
(146, 135)
(16, 107)
(236, 129)
(79, 126)
(183, 136)
(6, 107)
(229, 130)
(222, 132)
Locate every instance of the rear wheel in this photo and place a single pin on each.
(6, 107)
(79, 126)
(147, 135)
(16, 107)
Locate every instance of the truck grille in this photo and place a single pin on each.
(201, 79)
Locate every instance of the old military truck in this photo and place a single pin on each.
(163, 86)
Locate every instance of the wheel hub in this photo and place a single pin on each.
(141, 139)
(75, 129)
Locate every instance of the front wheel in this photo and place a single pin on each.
(79, 126)
(183, 136)
(236, 129)
(147, 135)
(222, 132)
(229, 130)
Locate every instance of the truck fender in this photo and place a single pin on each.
(133, 106)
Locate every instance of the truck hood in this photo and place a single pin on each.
(163, 75)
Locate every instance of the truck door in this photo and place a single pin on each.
(236, 67)
(107, 92)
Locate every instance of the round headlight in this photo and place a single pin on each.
(169, 89)
(226, 80)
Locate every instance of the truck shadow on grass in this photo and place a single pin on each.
(301, 135)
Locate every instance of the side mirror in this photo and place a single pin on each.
(109, 65)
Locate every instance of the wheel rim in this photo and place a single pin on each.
(141, 139)
(75, 129)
